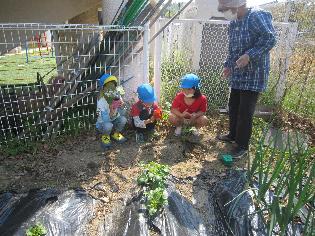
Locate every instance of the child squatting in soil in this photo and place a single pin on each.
(189, 106)
(145, 113)
(110, 121)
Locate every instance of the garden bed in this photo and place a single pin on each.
(110, 177)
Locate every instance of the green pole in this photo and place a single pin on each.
(133, 11)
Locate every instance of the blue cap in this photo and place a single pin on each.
(146, 93)
(189, 81)
(105, 78)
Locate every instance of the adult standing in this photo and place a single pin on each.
(251, 37)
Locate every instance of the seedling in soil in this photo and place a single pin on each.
(153, 180)
(156, 199)
(36, 230)
(153, 175)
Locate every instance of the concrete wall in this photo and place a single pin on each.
(110, 8)
(55, 11)
(88, 17)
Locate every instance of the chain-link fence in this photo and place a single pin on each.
(48, 75)
(201, 47)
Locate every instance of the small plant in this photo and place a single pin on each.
(36, 230)
(111, 95)
(156, 199)
(153, 180)
(153, 176)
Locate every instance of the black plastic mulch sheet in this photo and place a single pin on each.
(126, 219)
(241, 216)
(179, 218)
(238, 215)
(62, 213)
(68, 213)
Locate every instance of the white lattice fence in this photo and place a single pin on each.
(48, 75)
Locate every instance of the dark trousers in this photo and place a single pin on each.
(242, 105)
(149, 128)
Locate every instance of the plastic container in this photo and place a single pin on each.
(226, 159)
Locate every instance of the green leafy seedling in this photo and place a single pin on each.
(156, 199)
(36, 230)
(153, 176)
(153, 181)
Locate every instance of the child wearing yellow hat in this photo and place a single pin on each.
(110, 121)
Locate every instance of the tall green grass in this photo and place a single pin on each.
(289, 175)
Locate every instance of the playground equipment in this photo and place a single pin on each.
(38, 47)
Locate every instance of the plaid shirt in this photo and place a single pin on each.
(255, 36)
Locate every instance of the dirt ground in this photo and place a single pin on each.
(109, 176)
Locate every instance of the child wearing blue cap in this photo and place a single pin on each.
(145, 112)
(110, 121)
(189, 106)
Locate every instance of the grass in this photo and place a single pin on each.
(15, 147)
(15, 70)
(75, 120)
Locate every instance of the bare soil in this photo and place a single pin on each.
(110, 176)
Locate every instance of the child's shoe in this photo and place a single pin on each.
(118, 137)
(106, 143)
(178, 131)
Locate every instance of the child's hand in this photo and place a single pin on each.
(193, 116)
(186, 114)
(116, 103)
(151, 120)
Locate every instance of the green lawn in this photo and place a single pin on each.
(15, 70)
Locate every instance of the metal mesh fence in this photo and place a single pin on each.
(48, 75)
(201, 47)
